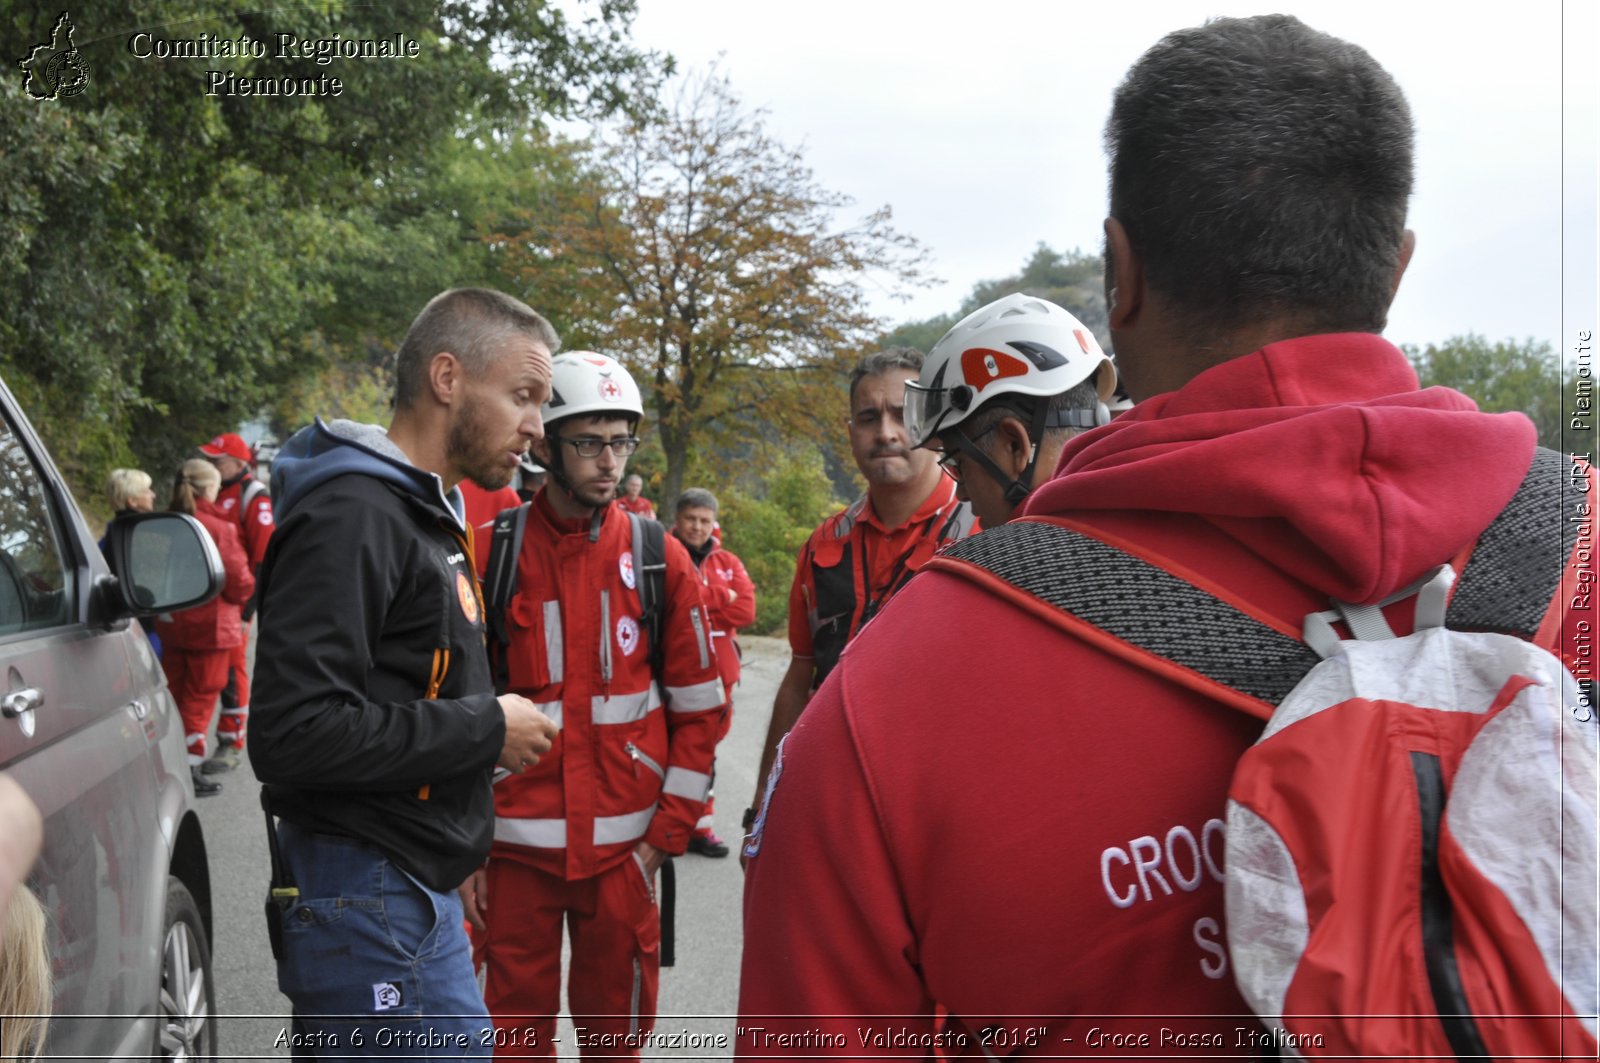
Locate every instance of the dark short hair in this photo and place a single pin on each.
(1084, 395)
(881, 362)
(696, 496)
(470, 323)
(1261, 167)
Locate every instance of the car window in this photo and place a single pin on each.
(34, 577)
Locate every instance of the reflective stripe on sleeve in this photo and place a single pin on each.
(681, 782)
(697, 698)
(624, 708)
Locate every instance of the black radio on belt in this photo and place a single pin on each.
(282, 893)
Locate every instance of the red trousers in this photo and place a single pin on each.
(236, 695)
(616, 953)
(196, 678)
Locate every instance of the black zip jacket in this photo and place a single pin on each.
(374, 714)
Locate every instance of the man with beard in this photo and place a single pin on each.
(376, 725)
(243, 499)
(859, 557)
(578, 841)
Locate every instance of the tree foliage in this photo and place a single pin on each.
(1070, 279)
(1502, 377)
(702, 253)
(767, 524)
(172, 262)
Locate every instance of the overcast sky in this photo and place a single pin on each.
(979, 124)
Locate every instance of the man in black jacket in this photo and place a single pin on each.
(376, 727)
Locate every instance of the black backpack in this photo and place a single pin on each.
(500, 583)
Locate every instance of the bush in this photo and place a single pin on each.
(767, 531)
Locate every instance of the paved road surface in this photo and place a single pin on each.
(698, 995)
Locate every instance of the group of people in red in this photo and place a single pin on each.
(1061, 864)
(203, 650)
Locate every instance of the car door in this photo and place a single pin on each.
(76, 732)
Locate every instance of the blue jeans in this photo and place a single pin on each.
(374, 962)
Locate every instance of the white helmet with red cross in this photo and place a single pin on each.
(583, 383)
(1017, 345)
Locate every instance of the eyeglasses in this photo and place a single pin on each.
(951, 461)
(591, 446)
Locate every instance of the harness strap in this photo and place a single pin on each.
(1183, 625)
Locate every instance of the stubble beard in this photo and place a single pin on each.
(477, 461)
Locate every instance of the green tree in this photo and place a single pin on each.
(171, 262)
(1500, 377)
(1071, 279)
(704, 255)
(767, 525)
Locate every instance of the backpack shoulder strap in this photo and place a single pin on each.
(957, 524)
(1188, 629)
(1514, 570)
(500, 575)
(650, 565)
(1079, 582)
(252, 488)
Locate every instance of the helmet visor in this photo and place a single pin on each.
(925, 409)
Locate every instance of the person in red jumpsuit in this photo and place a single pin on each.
(862, 556)
(197, 644)
(580, 837)
(244, 500)
(730, 602)
(1032, 824)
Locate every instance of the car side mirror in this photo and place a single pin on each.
(162, 562)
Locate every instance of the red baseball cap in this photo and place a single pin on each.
(227, 445)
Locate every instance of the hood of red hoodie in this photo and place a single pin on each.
(1320, 454)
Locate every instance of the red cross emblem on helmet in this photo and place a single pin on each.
(610, 390)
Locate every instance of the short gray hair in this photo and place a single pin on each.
(693, 497)
(123, 484)
(470, 323)
(883, 361)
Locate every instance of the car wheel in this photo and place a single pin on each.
(187, 1029)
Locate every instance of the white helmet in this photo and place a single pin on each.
(583, 382)
(1017, 345)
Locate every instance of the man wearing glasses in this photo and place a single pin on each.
(579, 836)
(1000, 395)
(858, 558)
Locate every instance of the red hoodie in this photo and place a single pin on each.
(980, 813)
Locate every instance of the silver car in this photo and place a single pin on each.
(88, 729)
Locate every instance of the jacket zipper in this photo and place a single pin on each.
(605, 640)
(640, 757)
(441, 665)
(700, 636)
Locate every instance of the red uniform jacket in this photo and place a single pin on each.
(1034, 827)
(625, 767)
(214, 625)
(255, 523)
(484, 506)
(640, 505)
(721, 572)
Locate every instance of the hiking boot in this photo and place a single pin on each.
(204, 787)
(707, 844)
(225, 759)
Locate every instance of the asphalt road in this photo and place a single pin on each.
(698, 996)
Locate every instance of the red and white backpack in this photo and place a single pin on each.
(1411, 865)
